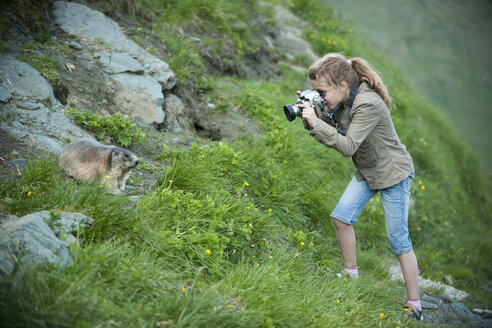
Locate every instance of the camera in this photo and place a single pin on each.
(308, 97)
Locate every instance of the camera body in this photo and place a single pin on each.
(309, 97)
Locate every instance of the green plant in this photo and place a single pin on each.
(46, 65)
(119, 128)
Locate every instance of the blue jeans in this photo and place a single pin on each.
(395, 203)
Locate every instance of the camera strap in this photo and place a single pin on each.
(354, 90)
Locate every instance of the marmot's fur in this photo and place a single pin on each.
(86, 160)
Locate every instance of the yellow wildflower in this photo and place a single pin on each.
(183, 288)
(338, 302)
(208, 251)
(418, 229)
(228, 306)
(270, 210)
(29, 194)
(251, 224)
(423, 187)
(170, 181)
(246, 184)
(109, 186)
(381, 315)
(302, 243)
(107, 176)
(420, 182)
(271, 257)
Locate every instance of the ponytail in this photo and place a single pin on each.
(368, 74)
(335, 68)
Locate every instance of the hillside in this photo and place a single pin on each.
(225, 221)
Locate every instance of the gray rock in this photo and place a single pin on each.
(431, 300)
(5, 94)
(176, 118)
(30, 105)
(119, 62)
(83, 22)
(70, 223)
(291, 41)
(29, 241)
(22, 81)
(483, 312)
(450, 293)
(140, 97)
(75, 45)
(43, 128)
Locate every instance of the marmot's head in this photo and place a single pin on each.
(123, 159)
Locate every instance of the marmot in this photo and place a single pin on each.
(86, 160)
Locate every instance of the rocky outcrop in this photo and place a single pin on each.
(29, 241)
(36, 116)
(138, 77)
(39, 238)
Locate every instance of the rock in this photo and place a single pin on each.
(29, 241)
(140, 97)
(449, 293)
(75, 45)
(66, 223)
(22, 81)
(43, 128)
(484, 313)
(290, 41)
(5, 94)
(30, 105)
(119, 62)
(83, 22)
(176, 117)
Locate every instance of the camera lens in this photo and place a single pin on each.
(289, 112)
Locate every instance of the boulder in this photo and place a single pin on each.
(29, 241)
(83, 22)
(22, 82)
(140, 97)
(119, 62)
(175, 114)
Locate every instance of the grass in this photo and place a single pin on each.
(237, 233)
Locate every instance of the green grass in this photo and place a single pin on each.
(45, 64)
(237, 234)
(117, 127)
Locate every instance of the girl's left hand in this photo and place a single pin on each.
(309, 115)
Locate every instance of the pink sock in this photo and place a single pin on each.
(352, 272)
(415, 303)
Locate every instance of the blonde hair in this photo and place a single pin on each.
(335, 68)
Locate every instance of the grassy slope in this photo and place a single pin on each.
(237, 233)
(440, 46)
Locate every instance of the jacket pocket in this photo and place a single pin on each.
(366, 156)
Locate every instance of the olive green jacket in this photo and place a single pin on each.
(371, 140)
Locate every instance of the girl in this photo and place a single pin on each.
(357, 123)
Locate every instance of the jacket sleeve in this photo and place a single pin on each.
(365, 117)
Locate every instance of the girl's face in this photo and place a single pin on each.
(331, 94)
